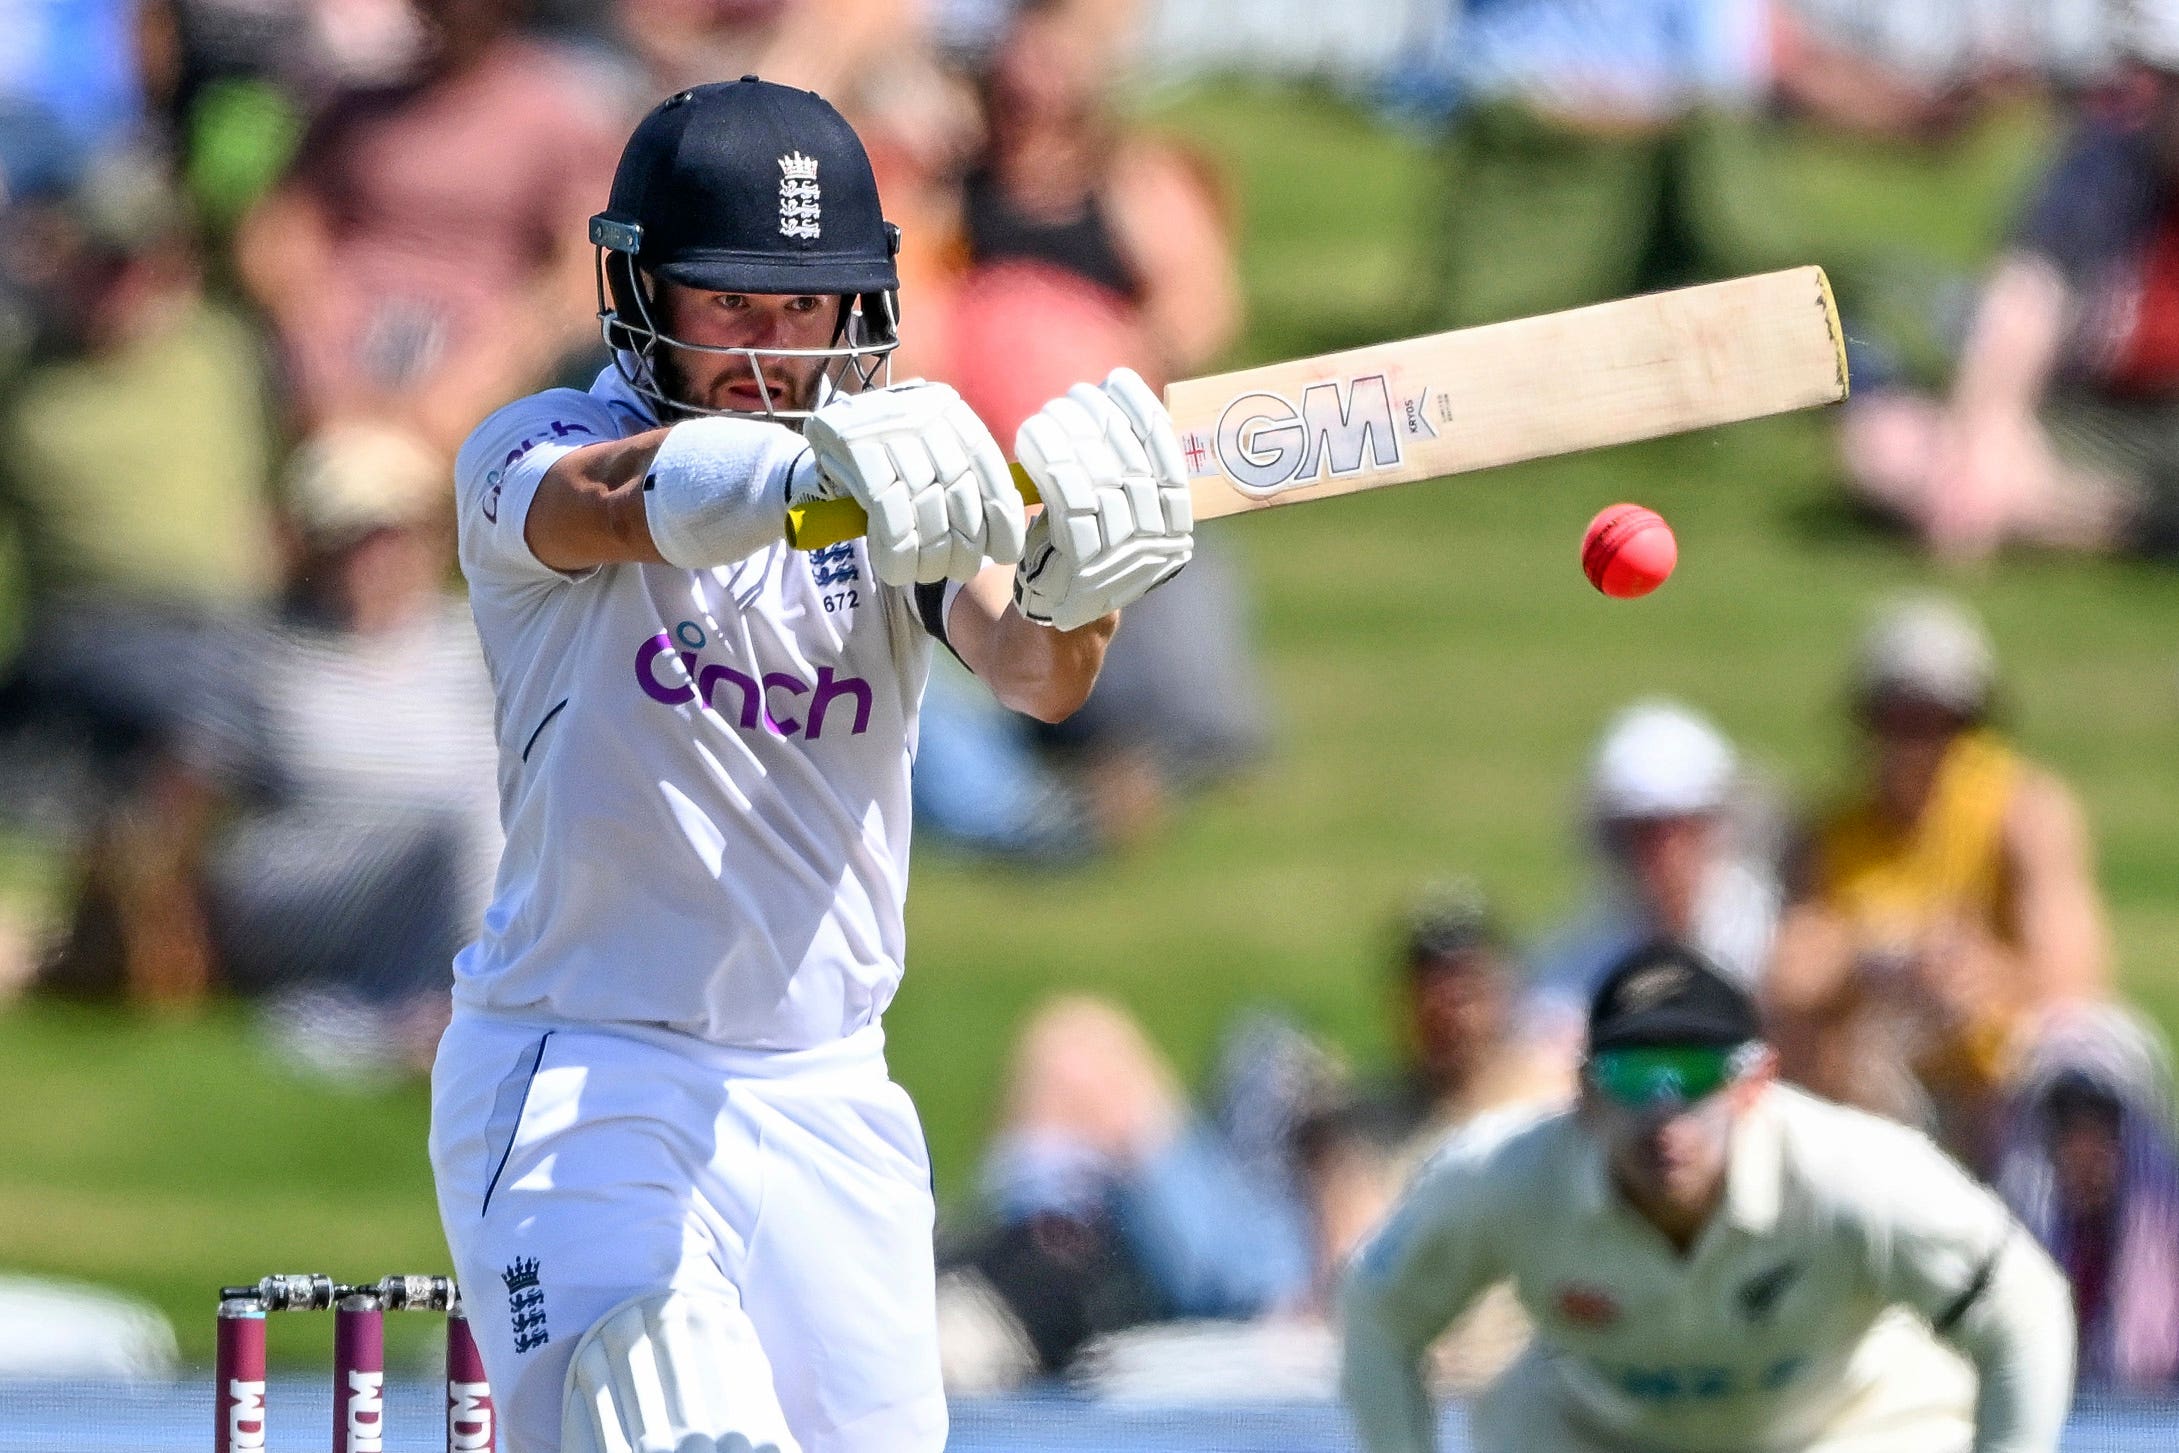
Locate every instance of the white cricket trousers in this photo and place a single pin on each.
(580, 1167)
(1922, 1401)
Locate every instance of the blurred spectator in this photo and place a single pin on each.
(2062, 429)
(139, 450)
(1089, 247)
(135, 485)
(2090, 1165)
(832, 47)
(427, 252)
(1856, 88)
(1946, 43)
(343, 833)
(1671, 825)
(1113, 1202)
(1604, 66)
(365, 853)
(1116, 1206)
(1920, 71)
(973, 29)
(1578, 116)
(982, 783)
(69, 89)
(235, 81)
(1179, 706)
(1089, 244)
(1466, 1060)
(1944, 905)
(1462, 1057)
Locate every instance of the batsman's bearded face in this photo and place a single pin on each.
(744, 382)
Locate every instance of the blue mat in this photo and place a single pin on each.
(52, 1417)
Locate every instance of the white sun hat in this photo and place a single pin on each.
(1660, 759)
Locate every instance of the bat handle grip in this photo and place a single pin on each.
(832, 521)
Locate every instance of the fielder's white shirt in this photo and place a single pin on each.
(703, 774)
(1830, 1218)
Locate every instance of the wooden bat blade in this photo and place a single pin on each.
(1638, 368)
(1475, 398)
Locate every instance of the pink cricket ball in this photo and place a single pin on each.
(1628, 551)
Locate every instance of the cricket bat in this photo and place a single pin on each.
(1474, 398)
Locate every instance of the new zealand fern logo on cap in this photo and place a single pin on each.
(799, 197)
(1650, 987)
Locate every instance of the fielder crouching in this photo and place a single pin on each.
(1714, 1263)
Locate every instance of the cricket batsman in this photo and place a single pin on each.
(688, 1206)
(1713, 1263)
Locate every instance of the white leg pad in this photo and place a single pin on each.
(672, 1372)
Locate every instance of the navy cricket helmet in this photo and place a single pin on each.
(746, 187)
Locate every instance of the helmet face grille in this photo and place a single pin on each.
(859, 357)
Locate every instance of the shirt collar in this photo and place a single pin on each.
(612, 386)
(1594, 1195)
(1755, 1181)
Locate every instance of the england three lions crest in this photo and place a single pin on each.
(800, 210)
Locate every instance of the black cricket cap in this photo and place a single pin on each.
(748, 186)
(1667, 994)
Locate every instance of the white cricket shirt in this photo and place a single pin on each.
(1830, 1218)
(703, 774)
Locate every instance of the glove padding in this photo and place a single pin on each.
(929, 475)
(1117, 518)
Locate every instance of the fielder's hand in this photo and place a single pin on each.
(1117, 518)
(930, 476)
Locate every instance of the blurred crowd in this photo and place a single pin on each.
(1926, 938)
(2053, 425)
(264, 262)
(262, 266)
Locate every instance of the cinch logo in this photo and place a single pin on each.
(750, 702)
(496, 479)
(366, 1412)
(245, 1415)
(1266, 444)
(468, 1417)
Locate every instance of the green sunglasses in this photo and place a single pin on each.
(1649, 1076)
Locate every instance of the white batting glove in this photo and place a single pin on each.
(1117, 518)
(930, 476)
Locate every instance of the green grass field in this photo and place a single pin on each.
(1438, 666)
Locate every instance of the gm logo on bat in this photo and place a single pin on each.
(1267, 443)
